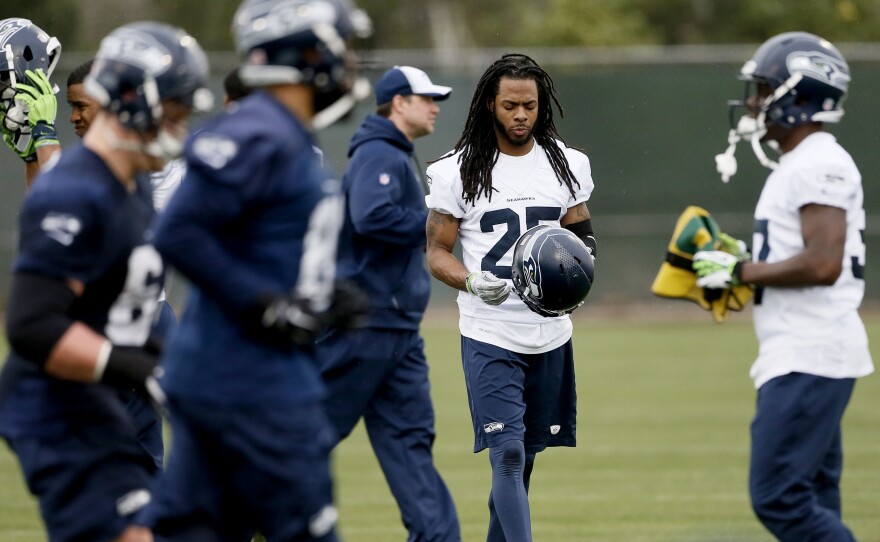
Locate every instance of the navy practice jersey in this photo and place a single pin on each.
(237, 228)
(79, 222)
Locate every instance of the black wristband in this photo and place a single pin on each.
(584, 231)
(129, 367)
(736, 274)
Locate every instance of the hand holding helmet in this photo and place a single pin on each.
(42, 107)
(552, 270)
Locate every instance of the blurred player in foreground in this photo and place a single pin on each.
(28, 105)
(808, 269)
(380, 372)
(83, 109)
(85, 289)
(254, 227)
(509, 171)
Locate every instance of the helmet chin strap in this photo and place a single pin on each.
(751, 129)
(327, 116)
(725, 163)
(756, 144)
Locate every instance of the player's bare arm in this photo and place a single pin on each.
(442, 232)
(821, 261)
(578, 213)
(31, 169)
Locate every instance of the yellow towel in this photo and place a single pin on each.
(696, 230)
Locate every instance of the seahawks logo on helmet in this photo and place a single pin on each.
(552, 270)
(819, 66)
(137, 48)
(24, 46)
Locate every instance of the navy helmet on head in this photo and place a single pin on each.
(303, 42)
(552, 270)
(807, 74)
(139, 65)
(24, 46)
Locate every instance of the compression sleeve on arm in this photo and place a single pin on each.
(584, 231)
(36, 316)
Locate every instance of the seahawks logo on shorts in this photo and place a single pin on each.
(493, 426)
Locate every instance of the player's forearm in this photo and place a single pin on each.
(446, 267)
(797, 272)
(76, 354)
(30, 173)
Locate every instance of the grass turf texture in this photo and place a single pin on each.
(662, 452)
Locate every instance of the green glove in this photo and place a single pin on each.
(42, 107)
(733, 246)
(717, 269)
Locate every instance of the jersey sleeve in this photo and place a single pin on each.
(444, 193)
(61, 234)
(580, 166)
(165, 183)
(821, 184)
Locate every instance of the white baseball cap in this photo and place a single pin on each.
(406, 80)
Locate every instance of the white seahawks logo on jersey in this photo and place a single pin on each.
(214, 150)
(61, 227)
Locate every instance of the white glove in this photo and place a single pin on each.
(716, 269)
(488, 287)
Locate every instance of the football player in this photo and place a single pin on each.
(86, 287)
(509, 171)
(83, 109)
(28, 105)
(254, 227)
(807, 266)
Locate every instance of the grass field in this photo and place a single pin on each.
(662, 453)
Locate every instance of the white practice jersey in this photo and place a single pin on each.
(526, 193)
(815, 330)
(165, 182)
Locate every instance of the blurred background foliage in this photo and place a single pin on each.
(453, 24)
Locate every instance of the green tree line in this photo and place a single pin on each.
(420, 24)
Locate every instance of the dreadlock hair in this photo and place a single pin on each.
(478, 144)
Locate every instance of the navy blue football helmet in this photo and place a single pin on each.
(139, 65)
(807, 74)
(24, 46)
(552, 270)
(303, 42)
